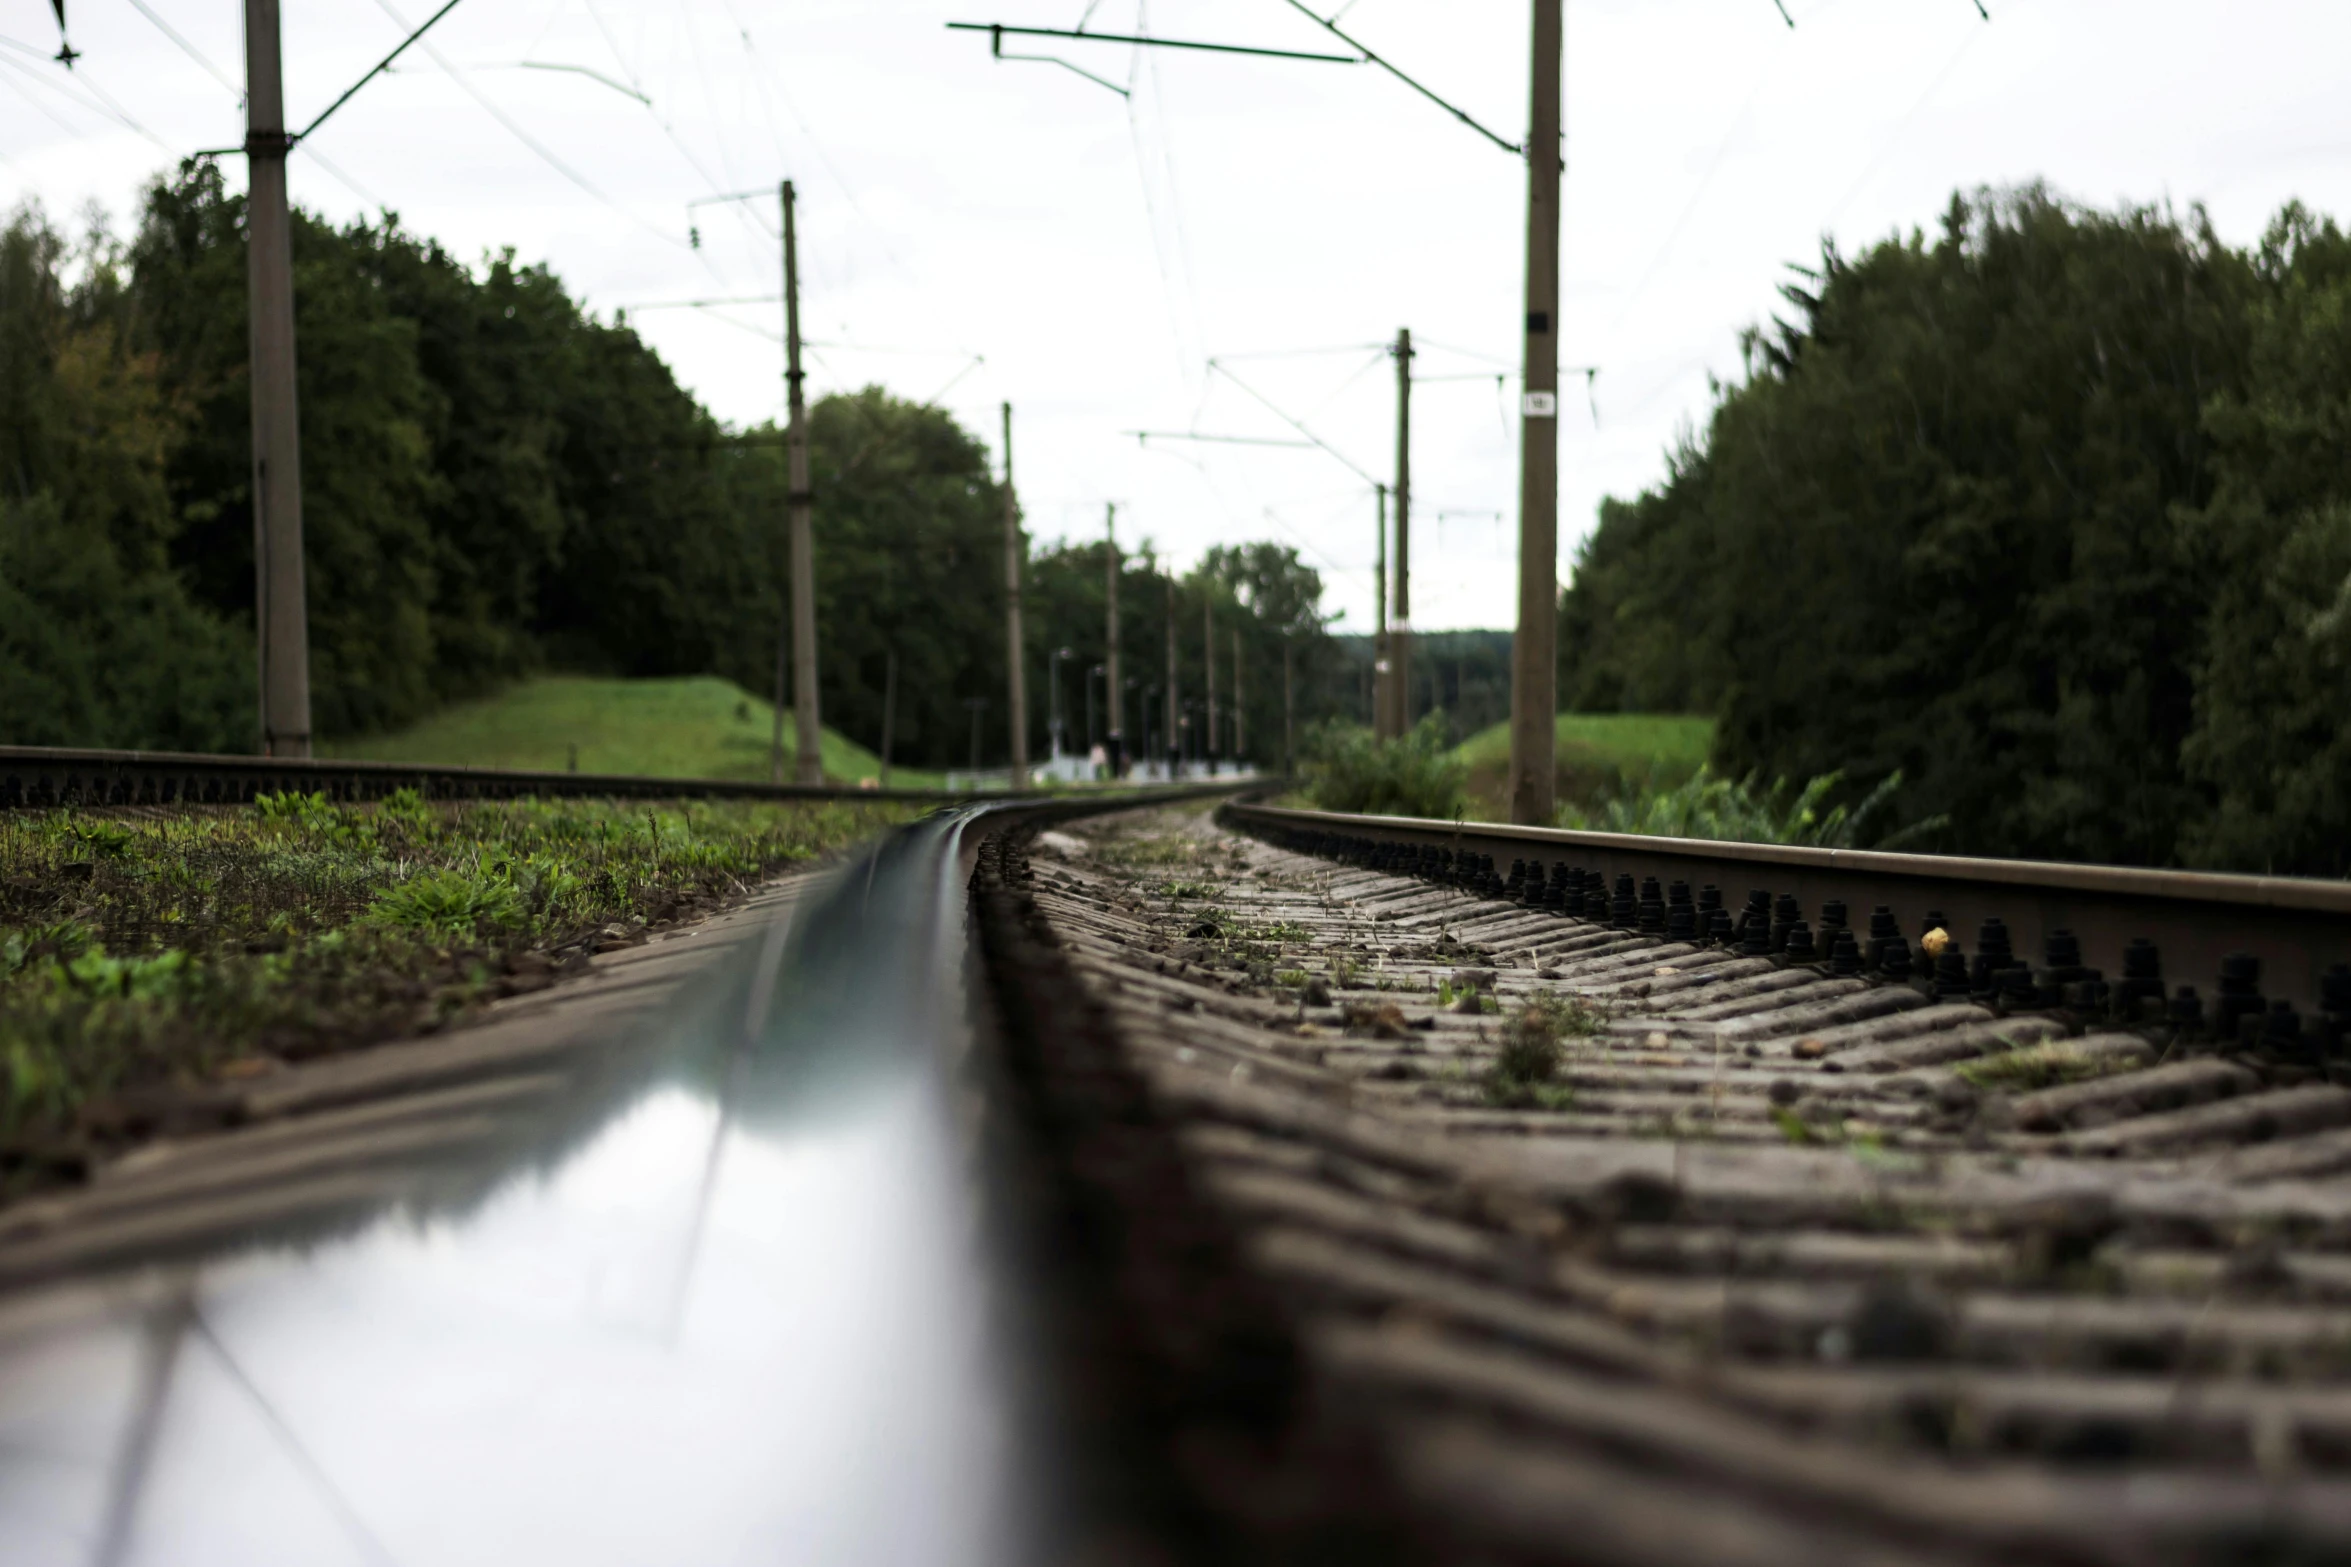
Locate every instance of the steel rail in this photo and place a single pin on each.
(34, 776)
(833, 1047)
(2294, 929)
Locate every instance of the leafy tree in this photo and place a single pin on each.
(494, 481)
(99, 639)
(1940, 528)
(2272, 734)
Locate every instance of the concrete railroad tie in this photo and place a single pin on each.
(1758, 1275)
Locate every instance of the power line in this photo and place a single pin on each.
(525, 137)
(1332, 27)
(1885, 144)
(105, 106)
(381, 66)
(622, 88)
(1145, 437)
(1307, 353)
(1350, 463)
(999, 31)
(620, 58)
(188, 49)
(54, 118)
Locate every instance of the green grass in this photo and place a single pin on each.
(138, 953)
(693, 727)
(1599, 754)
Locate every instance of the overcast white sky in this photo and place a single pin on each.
(1094, 251)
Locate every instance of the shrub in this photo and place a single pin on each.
(1416, 775)
(1736, 810)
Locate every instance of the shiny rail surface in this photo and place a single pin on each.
(33, 776)
(2219, 953)
(677, 1264)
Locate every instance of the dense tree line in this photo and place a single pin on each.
(1261, 591)
(495, 482)
(2051, 512)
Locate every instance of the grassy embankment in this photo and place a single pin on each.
(1601, 755)
(696, 727)
(144, 955)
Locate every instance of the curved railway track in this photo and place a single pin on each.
(1334, 1200)
(1777, 1263)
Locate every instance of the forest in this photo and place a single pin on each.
(2049, 511)
(497, 482)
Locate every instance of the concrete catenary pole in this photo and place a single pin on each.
(1289, 711)
(1175, 747)
(1379, 624)
(1400, 625)
(1014, 659)
(1534, 676)
(1240, 722)
(805, 718)
(1115, 744)
(1208, 663)
(280, 611)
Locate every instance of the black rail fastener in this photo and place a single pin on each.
(2113, 941)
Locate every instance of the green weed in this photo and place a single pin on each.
(448, 902)
(1741, 810)
(2046, 1065)
(138, 952)
(1417, 775)
(1524, 1068)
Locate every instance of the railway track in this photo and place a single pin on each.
(1636, 1249)
(1249, 1185)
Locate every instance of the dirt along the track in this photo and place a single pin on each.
(1632, 1251)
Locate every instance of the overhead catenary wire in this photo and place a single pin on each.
(105, 105)
(381, 66)
(514, 128)
(1350, 463)
(622, 88)
(53, 116)
(1001, 30)
(1144, 437)
(1331, 26)
(188, 49)
(668, 129)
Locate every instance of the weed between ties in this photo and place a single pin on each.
(1524, 1073)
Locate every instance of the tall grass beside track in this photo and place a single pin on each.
(147, 953)
(1658, 783)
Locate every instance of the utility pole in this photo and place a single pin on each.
(1013, 660)
(1534, 651)
(1117, 741)
(1175, 750)
(1400, 628)
(1058, 726)
(1240, 723)
(805, 718)
(1379, 620)
(1208, 662)
(1289, 711)
(280, 612)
